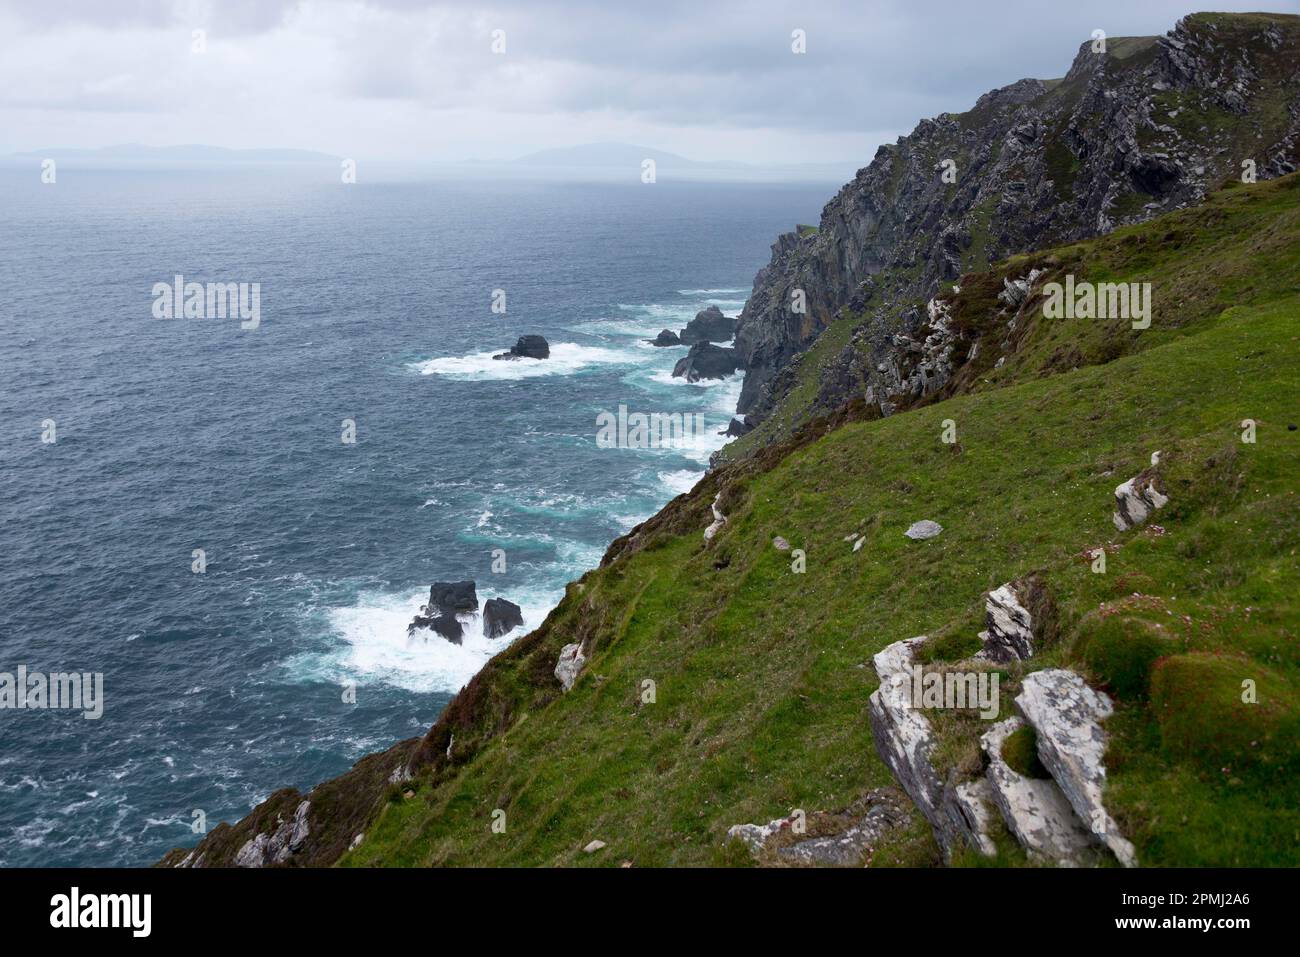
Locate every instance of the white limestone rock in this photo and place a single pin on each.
(755, 836)
(1067, 715)
(277, 846)
(718, 519)
(593, 847)
(569, 665)
(969, 807)
(905, 741)
(920, 531)
(1009, 633)
(1137, 498)
(1035, 811)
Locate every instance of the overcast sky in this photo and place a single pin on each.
(406, 80)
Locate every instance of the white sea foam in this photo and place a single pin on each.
(566, 358)
(371, 644)
(681, 480)
(706, 292)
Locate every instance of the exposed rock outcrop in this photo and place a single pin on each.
(666, 337)
(278, 845)
(1066, 715)
(905, 741)
(1034, 809)
(527, 347)
(500, 617)
(1008, 633)
(570, 664)
(845, 839)
(709, 325)
(1137, 498)
(706, 361)
(1032, 165)
(736, 428)
(448, 602)
(718, 519)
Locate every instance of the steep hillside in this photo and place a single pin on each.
(761, 657)
(1136, 130)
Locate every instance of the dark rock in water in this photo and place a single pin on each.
(446, 601)
(666, 337)
(528, 347)
(707, 361)
(500, 617)
(448, 626)
(452, 598)
(737, 428)
(709, 325)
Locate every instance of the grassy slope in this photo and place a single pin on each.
(763, 675)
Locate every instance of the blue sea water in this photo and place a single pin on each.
(183, 434)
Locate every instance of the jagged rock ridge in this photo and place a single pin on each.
(1145, 127)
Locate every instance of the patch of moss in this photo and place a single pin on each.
(1020, 752)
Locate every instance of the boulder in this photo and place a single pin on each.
(500, 617)
(1066, 715)
(1137, 498)
(780, 544)
(1036, 812)
(1008, 627)
(706, 361)
(920, 531)
(528, 347)
(709, 325)
(452, 598)
(666, 337)
(448, 626)
(569, 665)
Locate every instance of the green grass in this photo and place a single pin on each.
(762, 675)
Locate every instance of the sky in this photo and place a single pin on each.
(408, 81)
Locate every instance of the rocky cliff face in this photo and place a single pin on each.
(1144, 127)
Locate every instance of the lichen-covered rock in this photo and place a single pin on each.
(849, 848)
(969, 806)
(853, 833)
(1008, 633)
(1137, 498)
(277, 846)
(905, 742)
(1066, 715)
(756, 836)
(1035, 811)
(922, 530)
(569, 664)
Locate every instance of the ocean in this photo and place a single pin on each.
(131, 443)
